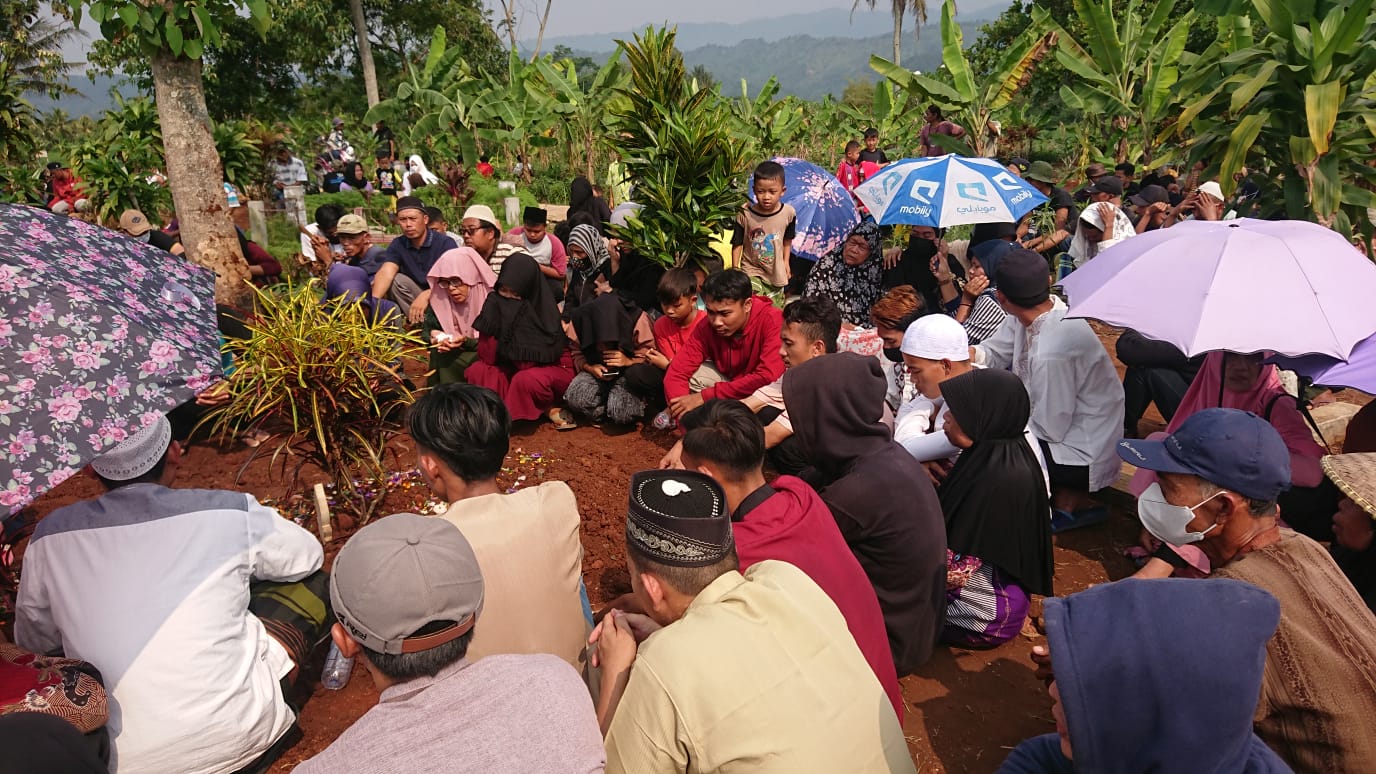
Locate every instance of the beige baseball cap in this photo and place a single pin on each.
(351, 224)
(134, 223)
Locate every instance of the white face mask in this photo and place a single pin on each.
(1168, 522)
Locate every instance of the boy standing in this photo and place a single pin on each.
(388, 179)
(849, 172)
(763, 236)
(872, 154)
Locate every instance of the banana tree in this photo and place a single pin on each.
(888, 114)
(767, 125)
(584, 112)
(518, 113)
(1299, 104)
(1126, 70)
(970, 104)
(433, 102)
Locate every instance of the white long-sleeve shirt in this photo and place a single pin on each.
(1077, 400)
(151, 585)
(919, 428)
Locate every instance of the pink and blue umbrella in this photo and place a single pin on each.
(99, 335)
(826, 210)
(1288, 286)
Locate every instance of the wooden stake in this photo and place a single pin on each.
(322, 514)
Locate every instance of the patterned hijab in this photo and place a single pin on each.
(590, 241)
(853, 289)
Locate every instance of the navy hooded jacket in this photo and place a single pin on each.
(1157, 676)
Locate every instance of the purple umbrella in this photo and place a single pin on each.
(99, 335)
(1357, 372)
(1292, 287)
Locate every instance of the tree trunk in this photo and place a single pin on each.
(897, 35)
(540, 41)
(195, 176)
(365, 51)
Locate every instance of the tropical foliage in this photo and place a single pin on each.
(325, 381)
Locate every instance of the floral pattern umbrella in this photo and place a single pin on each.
(826, 210)
(99, 335)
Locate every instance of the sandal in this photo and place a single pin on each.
(562, 419)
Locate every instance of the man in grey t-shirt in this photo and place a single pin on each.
(407, 592)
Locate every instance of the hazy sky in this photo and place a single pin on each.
(582, 17)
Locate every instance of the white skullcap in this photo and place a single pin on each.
(936, 337)
(137, 454)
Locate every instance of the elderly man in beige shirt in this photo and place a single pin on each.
(526, 542)
(733, 673)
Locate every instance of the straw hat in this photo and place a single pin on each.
(1355, 474)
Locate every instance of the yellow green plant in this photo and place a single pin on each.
(325, 381)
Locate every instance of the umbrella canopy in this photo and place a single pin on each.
(1357, 372)
(826, 210)
(947, 191)
(99, 335)
(1288, 286)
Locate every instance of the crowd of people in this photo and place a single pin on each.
(871, 455)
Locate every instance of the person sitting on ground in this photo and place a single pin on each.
(977, 307)
(67, 690)
(1102, 225)
(795, 695)
(481, 231)
(533, 239)
(1156, 372)
(881, 498)
(522, 350)
(68, 194)
(320, 240)
(1354, 528)
(677, 294)
(440, 225)
(811, 327)
(590, 267)
(1248, 383)
(133, 223)
(402, 279)
(462, 282)
(762, 234)
(356, 179)
(1205, 203)
(786, 520)
(585, 208)
(1126, 174)
(198, 607)
(613, 382)
(913, 266)
(998, 515)
(526, 542)
(1093, 174)
(35, 743)
(892, 314)
(1153, 207)
(1066, 214)
(851, 276)
(1111, 647)
(350, 283)
(740, 337)
(1220, 475)
(1077, 400)
(410, 599)
(358, 248)
(263, 269)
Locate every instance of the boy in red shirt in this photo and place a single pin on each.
(741, 339)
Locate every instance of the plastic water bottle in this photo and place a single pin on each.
(337, 669)
(663, 421)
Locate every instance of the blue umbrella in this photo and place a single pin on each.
(99, 335)
(826, 210)
(1358, 371)
(947, 191)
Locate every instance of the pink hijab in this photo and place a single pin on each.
(467, 265)
(1207, 387)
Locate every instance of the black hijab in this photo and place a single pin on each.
(994, 499)
(836, 405)
(608, 317)
(581, 199)
(527, 329)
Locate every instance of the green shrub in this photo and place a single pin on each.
(326, 381)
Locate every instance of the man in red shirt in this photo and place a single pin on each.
(740, 336)
(787, 521)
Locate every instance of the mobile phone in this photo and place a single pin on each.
(611, 372)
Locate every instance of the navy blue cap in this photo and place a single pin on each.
(1233, 449)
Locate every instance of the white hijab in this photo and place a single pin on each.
(415, 164)
(1082, 250)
